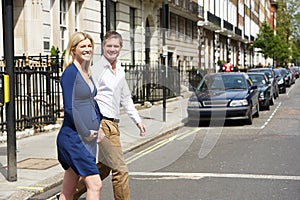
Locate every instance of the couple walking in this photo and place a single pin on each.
(92, 97)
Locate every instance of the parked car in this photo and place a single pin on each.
(287, 76)
(265, 89)
(221, 96)
(280, 76)
(297, 70)
(294, 74)
(272, 77)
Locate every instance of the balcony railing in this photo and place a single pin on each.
(200, 11)
(188, 6)
(238, 31)
(213, 18)
(227, 25)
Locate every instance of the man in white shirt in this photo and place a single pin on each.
(113, 91)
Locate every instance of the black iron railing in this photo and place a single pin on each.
(148, 81)
(37, 91)
(38, 99)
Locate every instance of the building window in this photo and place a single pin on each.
(63, 23)
(132, 31)
(189, 30)
(176, 27)
(76, 15)
(46, 45)
(111, 15)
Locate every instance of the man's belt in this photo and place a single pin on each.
(111, 119)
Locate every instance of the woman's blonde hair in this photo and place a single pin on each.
(75, 39)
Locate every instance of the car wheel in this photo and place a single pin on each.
(271, 100)
(249, 120)
(257, 111)
(267, 105)
(284, 90)
(276, 93)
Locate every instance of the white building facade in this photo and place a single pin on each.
(199, 33)
(228, 30)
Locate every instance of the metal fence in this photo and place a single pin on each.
(37, 92)
(194, 77)
(38, 99)
(147, 82)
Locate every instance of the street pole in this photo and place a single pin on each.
(165, 16)
(8, 41)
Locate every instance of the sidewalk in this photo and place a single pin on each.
(37, 166)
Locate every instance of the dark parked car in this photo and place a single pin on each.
(265, 89)
(280, 76)
(272, 77)
(287, 76)
(293, 73)
(221, 96)
(297, 70)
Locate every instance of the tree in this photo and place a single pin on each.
(265, 40)
(288, 29)
(283, 46)
(293, 7)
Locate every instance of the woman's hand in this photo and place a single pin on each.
(92, 136)
(101, 135)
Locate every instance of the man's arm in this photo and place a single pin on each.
(127, 103)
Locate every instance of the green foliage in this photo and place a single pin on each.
(221, 62)
(281, 51)
(284, 47)
(266, 40)
(53, 51)
(295, 52)
(288, 28)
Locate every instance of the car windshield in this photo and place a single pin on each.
(222, 82)
(284, 71)
(258, 79)
(266, 71)
(277, 72)
(296, 69)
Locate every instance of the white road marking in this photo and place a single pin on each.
(271, 116)
(38, 188)
(290, 89)
(179, 175)
(187, 133)
(149, 149)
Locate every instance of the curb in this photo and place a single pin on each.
(56, 180)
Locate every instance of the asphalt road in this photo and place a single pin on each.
(222, 161)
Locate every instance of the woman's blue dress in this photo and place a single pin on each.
(81, 114)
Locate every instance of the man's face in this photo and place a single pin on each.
(111, 49)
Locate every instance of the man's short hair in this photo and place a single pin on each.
(113, 34)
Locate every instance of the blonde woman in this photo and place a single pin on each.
(78, 136)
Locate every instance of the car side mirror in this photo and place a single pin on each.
(253, 87)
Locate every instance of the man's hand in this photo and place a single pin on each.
(142, 128)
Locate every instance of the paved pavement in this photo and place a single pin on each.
(38, 169)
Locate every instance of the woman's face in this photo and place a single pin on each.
(83, 51)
